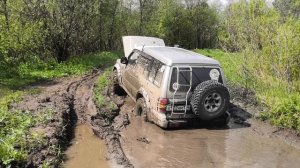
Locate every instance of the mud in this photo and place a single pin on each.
(237, 145)
(246, 109)
(60, 98)
(129, 141)
(86, 150)
(70, 101)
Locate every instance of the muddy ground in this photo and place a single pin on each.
(245, 142)
(70, 102)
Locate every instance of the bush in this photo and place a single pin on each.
(286, 113)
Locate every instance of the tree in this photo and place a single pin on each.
(288, 7)
(5, 12)
(146, 8)
(269, 44)
(63, 29)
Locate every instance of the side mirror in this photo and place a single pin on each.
(124, 60)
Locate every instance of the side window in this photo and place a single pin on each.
(153, 70)
(142, 62)
(132, 59)
(148, 65)
(159, 75)
(156, 72)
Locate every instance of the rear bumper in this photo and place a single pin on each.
(180, 116)
(165, 120)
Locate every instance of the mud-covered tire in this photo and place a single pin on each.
(140, 109)
(210, 100)
(117, 89)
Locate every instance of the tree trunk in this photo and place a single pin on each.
(100, 26)
(6, 14)
(112, 27)
(141, 16)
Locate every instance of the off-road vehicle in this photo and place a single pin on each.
(171, 85)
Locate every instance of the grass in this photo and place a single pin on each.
(101, 86)
(37, 70)
(15, 138)
(282, 107)
(231, 63)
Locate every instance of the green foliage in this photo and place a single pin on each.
(230, 62)
(76, 66)
(192, 25)
(37, 69)
(18, 38)
(15, 138)
(285, 113)
(288, 8)
(102, 86)
(269, 47)
(14, 126)
(268, 41)
(59, 30)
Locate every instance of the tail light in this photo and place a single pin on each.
(163, 102)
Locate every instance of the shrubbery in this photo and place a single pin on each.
(268, 47)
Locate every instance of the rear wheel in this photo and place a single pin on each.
(210, 100)
(141, 109)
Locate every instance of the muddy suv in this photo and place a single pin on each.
(170, 85)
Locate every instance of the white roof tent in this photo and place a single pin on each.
(167, 55)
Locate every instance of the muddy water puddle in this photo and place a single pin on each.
(86, 151)
(147, 146)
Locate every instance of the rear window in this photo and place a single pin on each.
(199, 75)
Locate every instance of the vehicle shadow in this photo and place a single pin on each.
(237, 120)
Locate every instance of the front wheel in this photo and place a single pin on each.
(117, 89)
(141, 109)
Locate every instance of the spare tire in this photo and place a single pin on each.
(210, 100)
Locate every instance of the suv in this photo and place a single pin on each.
(171, 85)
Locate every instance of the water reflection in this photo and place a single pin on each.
(86, 151)
(207, 148)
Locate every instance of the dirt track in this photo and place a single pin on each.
(71, 103)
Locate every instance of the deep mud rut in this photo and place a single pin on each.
(246, 142)
(70, 101)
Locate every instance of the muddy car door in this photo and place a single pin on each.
(154, 75)
(129, 72)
